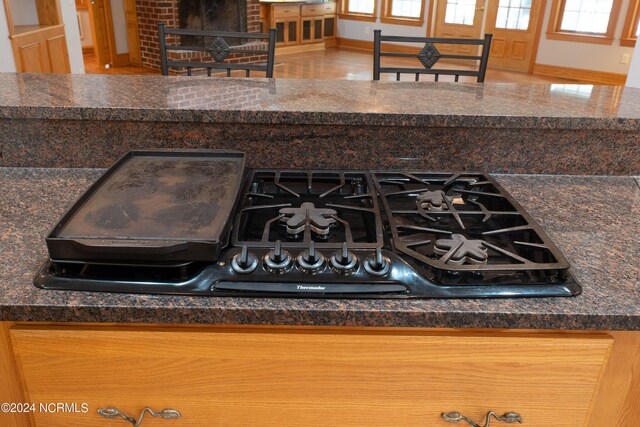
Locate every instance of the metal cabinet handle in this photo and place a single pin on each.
(112, 412)
(508, 417)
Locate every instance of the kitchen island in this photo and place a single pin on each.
(247, 361)
(91, 120)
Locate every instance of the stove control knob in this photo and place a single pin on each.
(277, 260)
(310, 260)
(244, 262)
(377, 265)
(344, 261)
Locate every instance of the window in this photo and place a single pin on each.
(460, 12)
(513, 14)
(592, 21)
(359, 10)
(403, 12)
(631, 30)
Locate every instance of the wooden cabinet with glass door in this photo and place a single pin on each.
(301, 26)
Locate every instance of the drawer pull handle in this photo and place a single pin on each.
(508, 417)
(112, 412)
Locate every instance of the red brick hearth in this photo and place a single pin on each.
(152, 11)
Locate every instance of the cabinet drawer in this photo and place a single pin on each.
(286, 11)
(328, 8)
(307, 377)
(318, 9)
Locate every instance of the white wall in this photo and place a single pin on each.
(24, 12)
(119, 26)
(633, 78)
(72, 34)
(588, 56)
(7, 63)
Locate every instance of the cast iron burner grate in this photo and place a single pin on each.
(297, 207)
(466, 227)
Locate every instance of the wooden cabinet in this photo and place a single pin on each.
(312, 29)
(309, 376)
(39, 47)
(308, 24)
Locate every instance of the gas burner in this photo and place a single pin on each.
(319, 219)
(435, 201)
(459, 250)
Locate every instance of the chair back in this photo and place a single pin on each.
(218, 46)
(429, 55)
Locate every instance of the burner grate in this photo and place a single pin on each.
(297, 207)
(463, 222)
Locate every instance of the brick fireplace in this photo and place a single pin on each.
(152, 11)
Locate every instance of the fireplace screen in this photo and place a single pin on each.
(212, 15)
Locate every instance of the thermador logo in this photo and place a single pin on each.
(311, 288)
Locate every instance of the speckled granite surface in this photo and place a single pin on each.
(595, 221)
(298, 101)
(91, 120)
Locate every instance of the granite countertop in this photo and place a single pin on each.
(329, 102)
(595, 221)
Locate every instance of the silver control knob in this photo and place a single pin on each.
(310, 260)
(377, 265)
(277, 260)
(344, 261)
(244, 262)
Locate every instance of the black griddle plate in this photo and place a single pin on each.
(164, 205)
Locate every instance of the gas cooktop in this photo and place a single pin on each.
(195, 224)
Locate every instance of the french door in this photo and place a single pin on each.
(515, 25)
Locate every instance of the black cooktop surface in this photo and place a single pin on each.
(352, 234)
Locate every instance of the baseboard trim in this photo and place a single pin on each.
(87, 50)
(580, 75)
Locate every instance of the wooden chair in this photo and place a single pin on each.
(429, 55)
(216, 45)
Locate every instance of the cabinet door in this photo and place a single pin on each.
(306, 33)
(309, 376)
(292, 36)
(329, 26)
(32, 57)
(280, 26)
(57, 54)
(317, 29)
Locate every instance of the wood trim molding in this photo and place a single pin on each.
(7, 12)
(580, 75)
(402, 21)
(87, 50)
(555, 19)
(11, 387)
(430, 31)
(355, 17)
(343, 12)
(628, 37)
(579, 37)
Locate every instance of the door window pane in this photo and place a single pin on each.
(514, 14)
(586, 16)
(460, 12)
(361, 6)
(406, 8)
